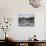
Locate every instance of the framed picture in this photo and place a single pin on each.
(26, 20)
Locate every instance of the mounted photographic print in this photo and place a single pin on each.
(25, 20)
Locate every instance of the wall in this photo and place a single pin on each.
(10, 8)
(45, 29)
